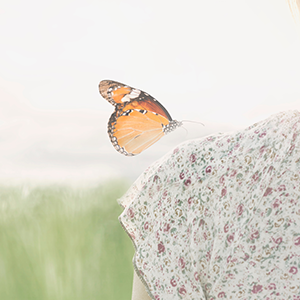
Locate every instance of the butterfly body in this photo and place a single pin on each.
(138, 121)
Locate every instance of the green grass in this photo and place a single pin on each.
(59, 243)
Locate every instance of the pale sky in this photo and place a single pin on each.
(227, 64)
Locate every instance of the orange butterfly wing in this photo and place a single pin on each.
(138, 121)
(113, 91)
(136, 129)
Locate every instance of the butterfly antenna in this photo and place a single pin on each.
(186, 131)
(192, 122)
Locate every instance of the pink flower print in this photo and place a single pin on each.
(206, 212)
(196, 276)
(219, 144)
(291, 149)
(254, 235)
(156, 178)
(208, 255)
(176, 150)
(276, 203)
(161, 248)
(173, 282)
(224, 192)
(146, 225)
(257, 288)
(270, 169)
(181, 175)
(240, 209)
(193, 158)
(297, 241)
(233, 173)
(294, 136)
(268, 191)
(255, 176)
(182, 290)
(222, 179)
(272, 286)
(262, 149)
(246, 256)
(221, 295)
(230, 238)
(281, 188)
(262, 135)
(130, 213)
(293, 270)
(252, 263)
(226, 228)
(208, 169)
(181, 263)
(165, 194)
(167, 227)
(236, 146)
(277, 241)
(187, 182)
(156, 297)
(229, 259)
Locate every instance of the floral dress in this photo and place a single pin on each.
(219, 217)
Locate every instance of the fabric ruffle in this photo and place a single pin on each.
(219, 217)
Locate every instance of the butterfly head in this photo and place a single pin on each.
(171, 126)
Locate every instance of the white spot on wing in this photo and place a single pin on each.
(126, 98)
(133, 94)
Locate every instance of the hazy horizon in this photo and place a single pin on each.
(225, 64)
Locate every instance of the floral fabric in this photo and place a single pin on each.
(219, 217)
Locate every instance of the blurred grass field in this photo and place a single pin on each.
(62, 243)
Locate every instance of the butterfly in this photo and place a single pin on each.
(138, 121)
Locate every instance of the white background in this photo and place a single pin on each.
(227, 64)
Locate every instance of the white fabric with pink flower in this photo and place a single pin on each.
(219, 217)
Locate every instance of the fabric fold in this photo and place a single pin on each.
(219, 217)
